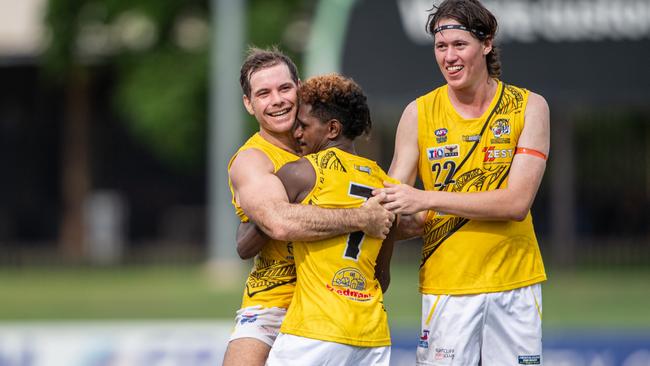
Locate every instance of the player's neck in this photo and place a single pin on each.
(343, 144)
(473, 101)
(285, 141)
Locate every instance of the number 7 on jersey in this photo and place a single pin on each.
(353, 247)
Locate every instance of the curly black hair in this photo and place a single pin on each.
(333, 96)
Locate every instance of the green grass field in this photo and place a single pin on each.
(608, 298)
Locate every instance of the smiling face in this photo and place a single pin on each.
(312, 134)
(273, 99)
(461, 56)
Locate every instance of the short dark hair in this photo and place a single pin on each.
(333, 96)
(476, 17)
(257, 59)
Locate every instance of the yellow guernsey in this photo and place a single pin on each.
(462, 256)
(272, 279)
(337, 297)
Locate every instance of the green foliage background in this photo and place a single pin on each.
(161, 92)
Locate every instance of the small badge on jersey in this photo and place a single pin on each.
(471, 138)
(530, 360)
(363, 168)
(441, 135)
(500, 128)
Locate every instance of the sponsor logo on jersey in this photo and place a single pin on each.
(491, 154)
(530, 360)
(248, 318)
(446, 151)
(424, 339)
(471, 138)
(444, 353)
(441, 135)
(350, 283)
(363, 168)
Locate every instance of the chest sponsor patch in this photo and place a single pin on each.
(350, 283)
(446, 151)
(492, 154)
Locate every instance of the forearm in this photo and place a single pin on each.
(286, 221)
(382, 267)
(500, 204)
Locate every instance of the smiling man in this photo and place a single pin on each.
(269, 81)
(479, 146)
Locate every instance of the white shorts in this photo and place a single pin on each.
(290, 350)
(258, 322)
(497, 328)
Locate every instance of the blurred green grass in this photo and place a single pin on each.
(580, 299)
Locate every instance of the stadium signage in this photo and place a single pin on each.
(554, 21)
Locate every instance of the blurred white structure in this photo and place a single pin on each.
(21, 27)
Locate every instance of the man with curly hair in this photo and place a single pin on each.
(479, 146)
(336, 316)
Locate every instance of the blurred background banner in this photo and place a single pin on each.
(117, 120)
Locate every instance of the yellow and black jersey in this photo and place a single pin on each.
(462, 256)
(337, 297)
(272, 280)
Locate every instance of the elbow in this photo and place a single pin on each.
(519, 212)
(278, 230)
(244, 253)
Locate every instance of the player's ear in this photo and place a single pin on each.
(248, 105)
(334, 129)
(487, 46)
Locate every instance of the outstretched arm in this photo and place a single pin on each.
(262, 196)
(510, 203)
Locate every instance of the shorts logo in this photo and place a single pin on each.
(248, 318)
(447, 151)
(424, 339)
(444, 353)
(530, 360)
(350, 283)
(441, 135)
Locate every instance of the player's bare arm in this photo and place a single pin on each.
(510, 203)
(404, 166)
(382, 267)
(250, 240)
(263, 198)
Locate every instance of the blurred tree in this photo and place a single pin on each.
(158, 51)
